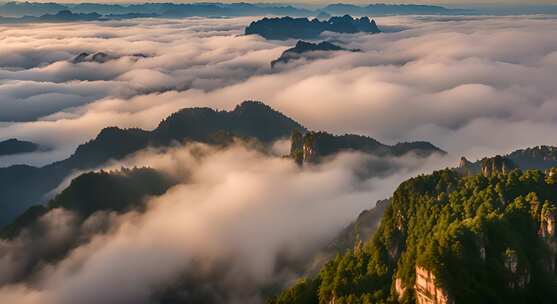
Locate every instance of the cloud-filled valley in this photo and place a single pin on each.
(228, 228)
(459, 76)
(234, 216)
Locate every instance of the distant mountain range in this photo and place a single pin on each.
(302, 49)
(391, 9)
(21, 12)
(20, 9)
(61, 16)
(303, 28)
(22, 186)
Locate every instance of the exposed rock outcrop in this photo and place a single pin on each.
(547, 233)
(101, 57)
(541, 158)
(400, 289)
(427, 289)
(98, 57)
(317, 145)
(497, 165)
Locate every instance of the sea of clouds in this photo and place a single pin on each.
(238, 221)
(473, 85)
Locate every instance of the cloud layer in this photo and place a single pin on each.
(472, 85)
(224, 232)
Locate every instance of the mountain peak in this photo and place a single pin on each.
(303, 47)
(16, 146)
(302, 28)
(250, 105)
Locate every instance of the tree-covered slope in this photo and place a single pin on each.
(540, 157)
(313, 146)
(117, 191)
(23, 186)
(448, 238)
(47, 233)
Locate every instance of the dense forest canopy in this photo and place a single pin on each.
(482, 240)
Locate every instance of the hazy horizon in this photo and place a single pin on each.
(324, 3)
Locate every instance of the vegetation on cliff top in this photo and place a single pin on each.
(486, 240)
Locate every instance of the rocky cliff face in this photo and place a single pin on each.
(518, 274)
(541, 158)
(466, 167)
(427, 289)
(313, 146)
(450, 250)
(400, 289)
(497, 165)
(547, 233)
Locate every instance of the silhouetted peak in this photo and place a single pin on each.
(110, 132)
(252, 105)
(99, 57)
(190, 111)
(303, 28)
(421, 148)
(464, 162)
(64, 13)
(250, 119)
(15, 146)
(304, 47)
(312, 146)
(345, 18)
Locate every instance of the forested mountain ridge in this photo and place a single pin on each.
(313, 146)
(451, 238)
(90, 192)
(540, 157)
(303, 48)
(22, 186)
(85, 202)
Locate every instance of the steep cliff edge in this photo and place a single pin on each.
(428, 290)
(540, 157)
(314, 146)
(453, 238)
